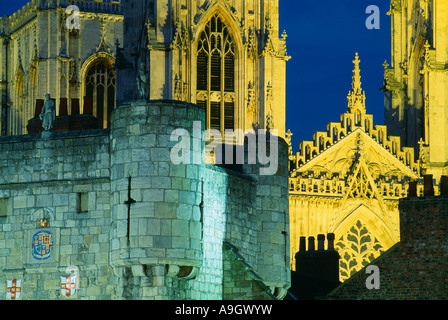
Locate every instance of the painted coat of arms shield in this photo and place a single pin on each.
(42, 245)
(68, 286)
(13, 289)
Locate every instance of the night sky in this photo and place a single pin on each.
(323, 37)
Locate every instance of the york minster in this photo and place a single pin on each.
(93, 207)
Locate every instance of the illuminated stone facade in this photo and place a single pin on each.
(225, 56)
(416, 82)
(348, 181)
(40, 55)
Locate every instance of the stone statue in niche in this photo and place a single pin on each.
(48, 114)
(142, 81)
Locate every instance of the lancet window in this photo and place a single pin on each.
(100, 91)
(216, 75)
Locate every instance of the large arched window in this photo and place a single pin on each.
(100, 91)
(216, 75)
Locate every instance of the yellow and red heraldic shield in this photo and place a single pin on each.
(68, 286)
(14, 289)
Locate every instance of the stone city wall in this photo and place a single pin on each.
(179, 217)
(415, 268)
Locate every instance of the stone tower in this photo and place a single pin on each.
(224, 55)
(416, 82)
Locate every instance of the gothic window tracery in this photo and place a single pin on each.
(216, 75)
(100, 91)
(357, 248)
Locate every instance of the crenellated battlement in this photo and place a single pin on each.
(20, 18)
(337, 131)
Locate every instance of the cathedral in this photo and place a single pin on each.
(224, 56)
(231, 64)
(415, 83)
(40, 55)
(93, 207)
(348, 180)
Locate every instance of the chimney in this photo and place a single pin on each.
(429, 187)
(75, 107)
(330, 238)
(444, 186)
(320, 242)
(317, 271)
(302, 246)
(311, 244)
(412, 191)
(63, 107)
(39, 106)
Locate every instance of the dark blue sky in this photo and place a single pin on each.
(323, 37)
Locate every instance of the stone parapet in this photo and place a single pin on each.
(272, 205)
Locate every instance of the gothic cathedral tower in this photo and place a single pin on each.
(416, 84)
(223, 55)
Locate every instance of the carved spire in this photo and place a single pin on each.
(288, 140)
(356, 97)
(356, 83)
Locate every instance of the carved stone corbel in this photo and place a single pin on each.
(181, 272)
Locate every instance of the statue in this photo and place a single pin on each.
(48, 114)
(142, 80)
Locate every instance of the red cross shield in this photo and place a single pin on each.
(14, 289)
(68, 286)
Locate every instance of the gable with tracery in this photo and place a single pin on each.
(348, 181)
